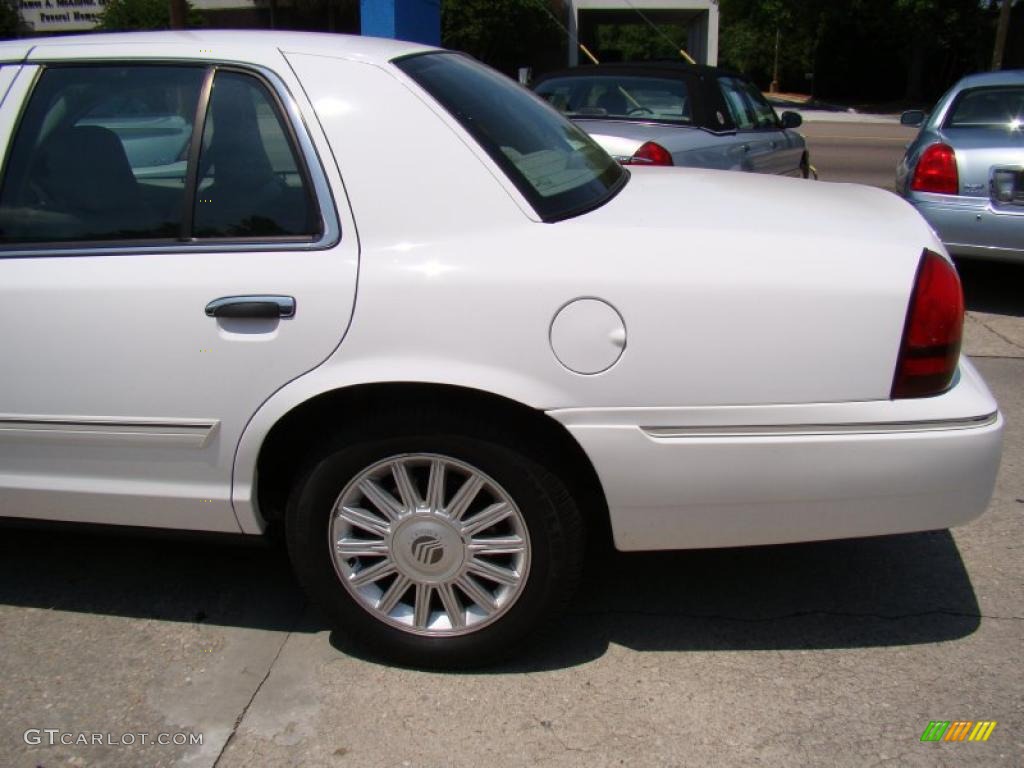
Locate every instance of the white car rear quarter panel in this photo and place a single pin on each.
(734, 289)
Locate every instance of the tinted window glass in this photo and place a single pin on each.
(988, 107)
(250, 183)
(637, 98)
(747, 106)
(101, 154)
(556, 166)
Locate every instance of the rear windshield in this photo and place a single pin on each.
(635, 98)
(987, 107)
(557, 167)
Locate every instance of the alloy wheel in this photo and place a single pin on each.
(429, 544)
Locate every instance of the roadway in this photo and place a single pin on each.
(865, 153)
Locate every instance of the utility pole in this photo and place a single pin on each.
(178, 14)
(1001, 31)
(774, 87)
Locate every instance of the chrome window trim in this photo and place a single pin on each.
(323, 197)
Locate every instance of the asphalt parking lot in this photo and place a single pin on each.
(836, 653)
(865, 153)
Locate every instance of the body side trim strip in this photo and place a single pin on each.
(793, 430)
(183, 432)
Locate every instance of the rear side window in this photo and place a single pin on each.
(747, 106)
(249, 179)
(988, 107)
(103, 154)
(637, 98)
(559, 169)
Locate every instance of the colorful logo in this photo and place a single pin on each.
(958, 730)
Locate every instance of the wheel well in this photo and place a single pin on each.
(290, 442)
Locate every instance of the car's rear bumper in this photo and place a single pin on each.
(971, 226)
(771, 474)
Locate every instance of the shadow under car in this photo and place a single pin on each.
(886, 591)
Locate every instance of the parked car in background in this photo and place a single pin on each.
(440, 374)
(965, 169)
(678, 114)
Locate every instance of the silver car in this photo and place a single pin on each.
(678, 114)
(965, 170)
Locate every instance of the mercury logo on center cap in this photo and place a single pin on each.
(427, 550)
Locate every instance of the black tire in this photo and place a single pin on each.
(805, 166)
(551, 518)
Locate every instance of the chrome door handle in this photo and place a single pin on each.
(258, 306)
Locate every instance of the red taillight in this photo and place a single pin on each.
(936, 171)
(931, 336)
(650, 153)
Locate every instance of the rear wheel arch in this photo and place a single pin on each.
(296, 436)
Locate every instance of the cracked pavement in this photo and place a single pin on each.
(837, 653)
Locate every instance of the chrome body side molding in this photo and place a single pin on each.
(796, 430)
(186, 433)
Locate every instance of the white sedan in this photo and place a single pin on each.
(382, 297)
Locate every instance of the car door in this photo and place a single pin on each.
(751, 147)
(170, 255)
(760, 138)
(785, 147)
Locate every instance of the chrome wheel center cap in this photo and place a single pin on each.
(428, 549)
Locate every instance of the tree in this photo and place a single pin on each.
(945, 37)
(1001, 32)
(639, 42)
(748, 30)
(870, 50)
(505, 34)
(178, 13)
(11, 24)
(119, 15)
